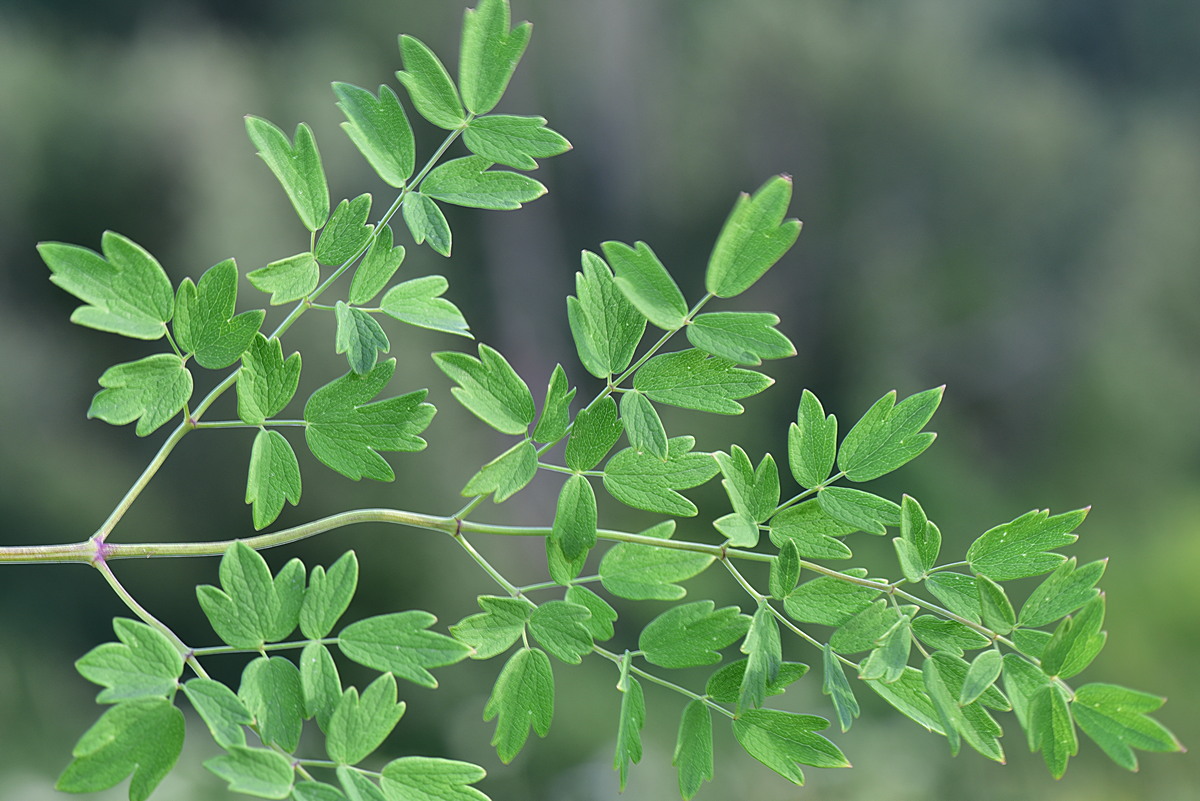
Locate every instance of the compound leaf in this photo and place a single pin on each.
(489, 54)
(347, 232)
(143, 738)
(433, 93)
(380, 130)
(489, 388)
(596, 430)
(644, 280)
(151, 390)
(692, 634)
(358, 787)
(125, 291)
(1024, 546)
(430, 779)
(347, 432)
(297, 167)
(754, 237)
(328, 595)
(522, 698)
(266, 382)
(426, 222)
(606, 327)
(888, 435)
(287, 279)
(741, 337)
(254, 771)
(145, 664)
(692, 379)
(644, 481)
(694, 749)
(360, 725)
(274, 477)
(419, 302)
(513, 141)
(470, 182)
(784, 740)
(376, 268)
(204, 323)
(400, 643)
(505, 475)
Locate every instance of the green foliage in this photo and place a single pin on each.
(946, 649)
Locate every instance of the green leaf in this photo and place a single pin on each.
(1062, 592)
(273, 478)
(358, 787)
(944, 704)
(429, 86)
(320, 682)
(812, 442)
(595, 432)
(346, 432)
(125, 291)
(866, 629)
(829, 601)
(1022, 682)
(944, 675)
(741, 337)
(561, 628)
(328, 596)
(957, 592)
(631, 719)
(347, 232)
(513, 141)
(376, 268)
(643, 426)
(888, 435)
(425, 221)
(783, 740)
(600, 624)
(812, 531)
(298, 168)
(272, 692)
(606, 327)
(835, 685)
(998, 614)
(948, 635)
(489, 54)
(919, 543)
(1116, 720)
(694, 749)
(692, 634)
(645, 572)
(864, 511)
(151, 390)
(574, 530)
(495, 630)
(251, 608)
(204, 323)
(360, 725)
(143, 738)
(266, 382)
(380, 130)
(1023, 547)
(254, 771)
(1031, 642)
(909, 697)
(984, 671)
(1052, 729)
(556, 410)
(221, 709)
(752, 492)
(754, 237)
(400, 643)
(764, 657)
(644, 280)
(430, 779)
(470, 182)
(646, 482)
(1076, 641)
(489, 388)
(785, 570)
(563, 570)
(143, 665)
(505, 475)
(419, 302)
(889, 660)
(725, 684)
(522, 698)
(316, 791)
(287, 279)
(692, 379)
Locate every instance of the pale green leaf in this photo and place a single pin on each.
(741, 337)
(320, 683)
(890, 658)
(752, 491)
(764, 657)
(401, 644)
(957, 592)
(998, 614)
(643, 426)
(739, 529)
(151, 390)
(574, 530)
(596, 430)
(380, 130)
(251, 608)
(358, 726)
(948, 635)
(644, 280)
(631, 719)
(357, 786)
(489, 54)
(556, 410)
(692, 379)
(645, 572)
(513, 141)
(376, 268)
(561, 628)
(505, 475)
(522, 698)
(888, 435)
(829, 601)
(1025, 546)
(692, 634)
(785, 570)
(419, 302)
(143, 738)
(646, 482)
(429, 779)
(725, 684)
(837, 687)
(812, 442)
(272, 692)
(316, 791)
(600, 624)
(1115, 718)
(866, 629)
(754, 237)
(694, 749)
(328, 595)
(204, 322)
(347, 233)
(1076, 641)
(145, 664)
(984, 671)
(489, 388)
(784, 740)
(863, 510)
(259, 772)
(1053, 729)
(433, 93)
(426, 222)
(297, 167)
(287, 279)
(812, 531)
(470, 182)
(606, 327)
(266, 382)
(274, 477)
(496, 629)
(1062, 592)
(221, 710)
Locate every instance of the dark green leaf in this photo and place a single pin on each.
(812, 531)
(783, 740)
(829, 601)
(646, 482)
(425, 221)
(785, 570)
(606, 327)
(400, 643)
(754, 237)
(998, 614)
(563, 570)
(1115, 718)
(143, 665)
(513, 141)
(358, 726)
(596, 429)
(694, 380)
(468, 181)
(429, 779)
(272, 692)
(562, 629)
(725, 685)
(1031, 642)
(320, 682)
(752, 492)
(864, 511)
(298, 168)
(692, 634)
(1052, 729)
(254, 771)
(523, 698)
(600, 624)
(575, 518)
(347, 233)
(944, 703)
(143, 738)
(643, 279)
(505, 475)
(328, 595)
(556, 410)
(489, 54)
(764, 657)
(1062, 592)
(1023, 547)
(266, 382)
(151, 390)
(428, 83)
(496, 629)
(835, 685)
(645, 572)
(643, 426)
(287, 279)
(694, 749)
(741, 337)
(274, 477)
(204, 323)
(812, 442)
(347, 432)
(489, 388)
(419, 302)
(630, 721)
(888, 435)
(221, 709)
(380, 130)
(376, 268)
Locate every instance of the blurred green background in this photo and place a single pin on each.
(1001, 197)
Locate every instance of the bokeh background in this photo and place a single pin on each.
(1001, 197)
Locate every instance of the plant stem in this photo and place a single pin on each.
(616, 659)
(143, 480)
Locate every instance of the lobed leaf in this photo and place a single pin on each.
(320, 683)
(380, 130)
(252, 608)
(764, 657)
(694, 749)
(470, 182)
(328, 596)
(643, 426)
(1115, 719)
(812, 443)
(645, 572)
(829, 601)
(377, 267)
(600, 624)
(725, 684)
(522, 699)
(1062, 592)
(752, 491)
(1076, 641)
(812, 531)
(645, 482)
(784, 740)
(272, 693)
(574, 531)
(1024, 547)
(561, 628)
(429, 779)
(298, 168)
(419, 302)
(287, 279)
(433, 93)
(221, 709)
(888, 435)
(151, 390)
(513, 141)
(426, 222)
(505, 475)
(360, 337)
(864, 511)
(556, 410)
(494, 631)
(835, 685)
(741, 337)
(266, 382)
(347, 233)
(692, 379)
(140, 738)
(204, 322)
(606, 327)
(401, 644)
(145, 664)
(596, 430)
(785, 570)
(489, 54)
(358, 726)
(489, 388)
(274, 477)
(692, 634)
(630, 720)
(644, 280)
(754, 237)
(259, 772)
